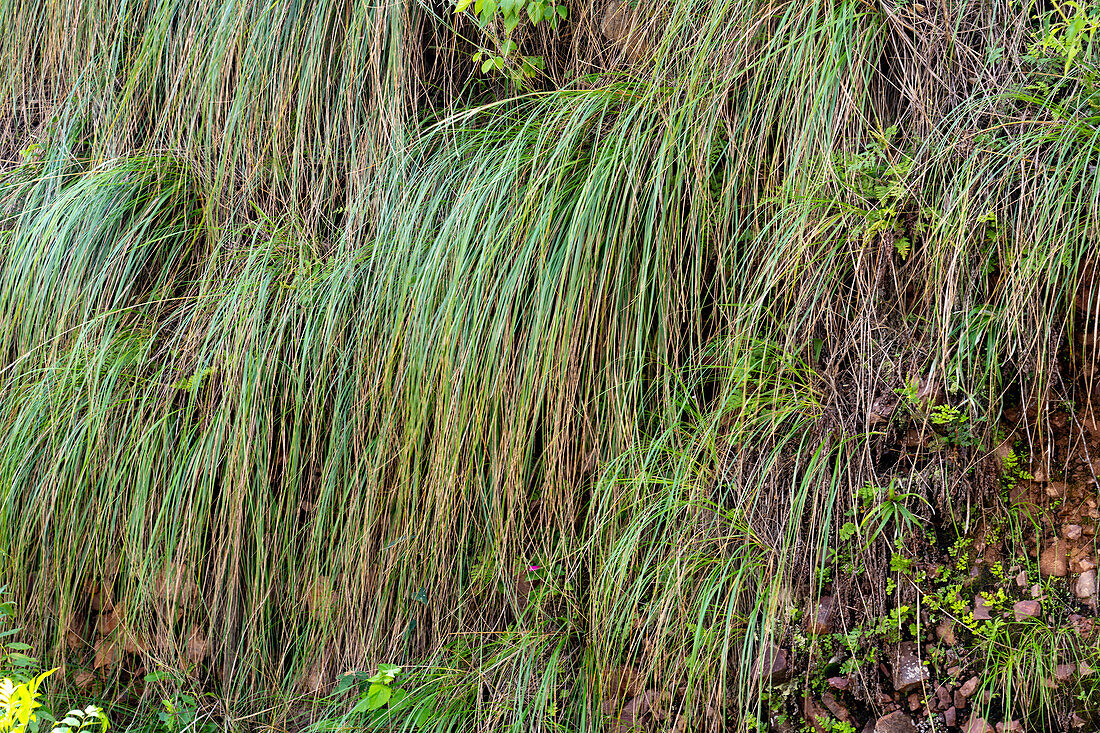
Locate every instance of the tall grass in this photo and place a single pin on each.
(312, 342)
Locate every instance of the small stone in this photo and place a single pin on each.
(815, 715)
(1086, 584)
(1021, 579)
(978, 725)
(945, 632)
(969, 687)
(954, 671)
(1084, 669)
(1026, 609)
(982, 611)
(895, 722)
(950, 717)
(1012, 726)
(836, 708)
(943, 696)
(960, 700)
(914, 701)
(1055, 489)
(1064, 672)
(772, 665)
(1071, 531)
(1086, 564)
(1077, 721)
(821, 622)
(839, 683)
(1081, 624)
(83, 679)
(1052, 560)
(908, 672)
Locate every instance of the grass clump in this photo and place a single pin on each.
(320, 351)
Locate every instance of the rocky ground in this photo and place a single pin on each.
(989, 630)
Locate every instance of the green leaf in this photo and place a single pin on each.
(534, 11)
(19, 646)
(462, 5)
(509, 45)
(399, 699)
(510, 24)
(562, 11)
(377, 696)
(476, 57)
(486, 65)
(361, 707)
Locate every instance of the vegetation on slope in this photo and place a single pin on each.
(320, 348)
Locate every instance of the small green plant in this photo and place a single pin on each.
(892, 507)
(180, 712)
(91, 718)
(19, 703)
(380, 697)
(498, 19)
(1067, 31)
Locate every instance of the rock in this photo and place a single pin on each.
(960, 700)
(623, 682)
(1021, 579)
(197, 646)
(950, 717)
(109, 621)
(982, 611)
(821, 622)
(772, 665)
(815, 715)
(908, 672)
(83, 679)
(978, 725)
(943, 696)
(1077, 721)
(895, 722)
(1081, 624)
(630, 717)
(836, 708)
(1064, 672)
(625, 26)
(134, 644)
(1084, 669)
(1086, 584)
(839, 683)
(1071, 531)
(1012, 726)
(1052, 560)
(1026, 609)
(107, 654)
(945, 632)
(969, 687)
(914, 701)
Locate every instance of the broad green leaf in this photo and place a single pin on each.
(377, 696)
(461, 5)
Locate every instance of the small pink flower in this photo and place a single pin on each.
(532, 568)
